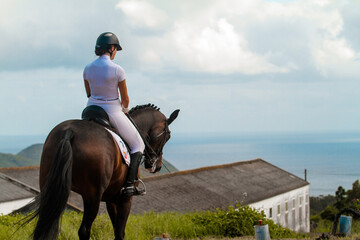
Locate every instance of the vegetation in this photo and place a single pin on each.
(325, 226)
(32, 152)
(325, 208)
(27, 157)
(238, 221)
(318, 204)
(10, 160)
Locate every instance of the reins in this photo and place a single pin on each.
(148, 146)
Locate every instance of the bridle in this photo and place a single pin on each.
(150, 154)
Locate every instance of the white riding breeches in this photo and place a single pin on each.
(123, 125)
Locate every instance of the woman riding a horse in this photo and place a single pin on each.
(82, 155)
(103, 80)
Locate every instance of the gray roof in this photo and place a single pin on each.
(27, 175)
(11, 192)
(16, 183)
(23, 182)
(219, 186)
(198, 189)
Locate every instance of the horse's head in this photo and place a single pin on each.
(154, 128)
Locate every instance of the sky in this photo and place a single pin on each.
(228, 65)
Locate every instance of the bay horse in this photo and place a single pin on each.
(82, 156)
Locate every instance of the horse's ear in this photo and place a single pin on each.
(173, 116)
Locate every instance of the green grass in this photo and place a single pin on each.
(325, 226)
(228, 223)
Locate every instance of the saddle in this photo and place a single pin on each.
(96, 114)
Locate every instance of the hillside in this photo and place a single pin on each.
(31, 155)
(168, 167)
(10, 160)
(32, 152)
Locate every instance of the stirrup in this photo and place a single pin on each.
(133, 190)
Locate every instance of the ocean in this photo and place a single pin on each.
(331, 159)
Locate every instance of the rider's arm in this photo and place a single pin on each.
(87, 88)
(124, 94)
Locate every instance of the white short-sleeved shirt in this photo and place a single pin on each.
(104, 76)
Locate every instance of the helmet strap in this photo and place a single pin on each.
(110, 52)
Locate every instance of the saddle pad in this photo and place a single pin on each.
(123, 149)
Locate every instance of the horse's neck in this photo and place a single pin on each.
(143, 124)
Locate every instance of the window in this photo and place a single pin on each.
(293, 205)
(286, 206)
(278, 209)
(300, 200)
(270, 213)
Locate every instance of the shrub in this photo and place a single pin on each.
(233, 222)
(319, 203)
(315, 218)
(238, 221)
(329, 213)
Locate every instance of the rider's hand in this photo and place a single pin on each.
(124, 109)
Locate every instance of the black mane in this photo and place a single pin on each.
(138, 107)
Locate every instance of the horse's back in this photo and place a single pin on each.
(93, 153)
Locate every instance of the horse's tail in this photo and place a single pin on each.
(51, 201)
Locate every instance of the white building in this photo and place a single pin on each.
(290, 209)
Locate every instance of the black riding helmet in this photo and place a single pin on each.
(107, 38)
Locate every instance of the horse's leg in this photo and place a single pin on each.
(123, 211)
(112, 211)
(91, 208)
(119, 214)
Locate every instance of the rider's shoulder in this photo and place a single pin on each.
(121, 69)
(120, 72)
(118, 68)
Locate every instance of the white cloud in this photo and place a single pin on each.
(142, 14)
(234, 36)
(335, 56)
(219, 37)
(218, 48)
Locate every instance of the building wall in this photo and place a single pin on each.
(290, 209)
(8, 207)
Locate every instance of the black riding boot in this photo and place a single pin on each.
(129, 188)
